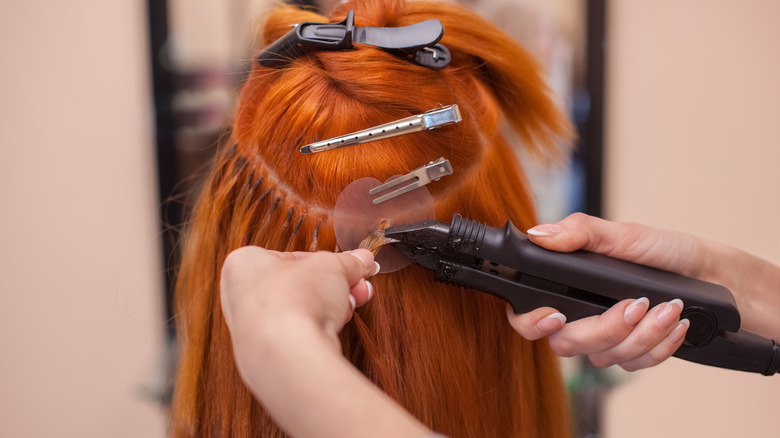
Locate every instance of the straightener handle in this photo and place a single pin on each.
(581, 284)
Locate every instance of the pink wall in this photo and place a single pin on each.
(81, 314)
(693, 145)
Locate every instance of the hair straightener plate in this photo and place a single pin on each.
(504, 263)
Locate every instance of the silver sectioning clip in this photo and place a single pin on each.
(435, 118)
(419, 177)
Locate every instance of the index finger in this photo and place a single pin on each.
(354, 265)
(357, 265)
(600, 332)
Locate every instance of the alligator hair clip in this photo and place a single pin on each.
(417, 42)
(417, 178)
(435, 118)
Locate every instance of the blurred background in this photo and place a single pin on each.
(108, 109)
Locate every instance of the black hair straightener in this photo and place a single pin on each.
(504, 263)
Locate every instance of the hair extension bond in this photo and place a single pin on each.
(446, 354)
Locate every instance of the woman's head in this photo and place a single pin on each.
(445, 353)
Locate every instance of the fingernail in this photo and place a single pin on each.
(370, 289)
(636, 310)
(352, 302)
(551, 322)
(678, 333)
(670, 311)
(545, 230)
(375, 270)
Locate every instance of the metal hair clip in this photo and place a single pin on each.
(435, 118)
(416, 42)
(419, 177)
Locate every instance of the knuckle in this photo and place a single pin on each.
(235, 256)
(630, 367)
(235, 259)
(613, 335)
(658, 355)
(646, 341)
(578, 218)
(600, 361)
(562, 346)
(324, 261)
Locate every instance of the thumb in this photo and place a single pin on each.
(668, 250)
(578, 231)
(537, 323)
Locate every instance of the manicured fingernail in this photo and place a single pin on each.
(352, 302)
(552, 322)
(545, 230)
(370, 289)
(678, 333)
(636, 310)
(375, 270)
(670, 311)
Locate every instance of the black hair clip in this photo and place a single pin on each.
(416, 43)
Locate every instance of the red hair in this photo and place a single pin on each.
(445, 353)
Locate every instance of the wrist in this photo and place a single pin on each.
(310, 389)
(717, 264)
(752, 281)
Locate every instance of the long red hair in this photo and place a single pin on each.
(446, 354)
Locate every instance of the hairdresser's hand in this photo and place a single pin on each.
(630, 334)
(266, 290)
(625, 335)
(284, 312)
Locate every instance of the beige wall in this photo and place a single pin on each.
(80, 317)
(692, 144)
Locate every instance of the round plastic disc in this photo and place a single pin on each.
(355, 217)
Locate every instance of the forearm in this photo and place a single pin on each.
(312, 391)
(755, 284)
